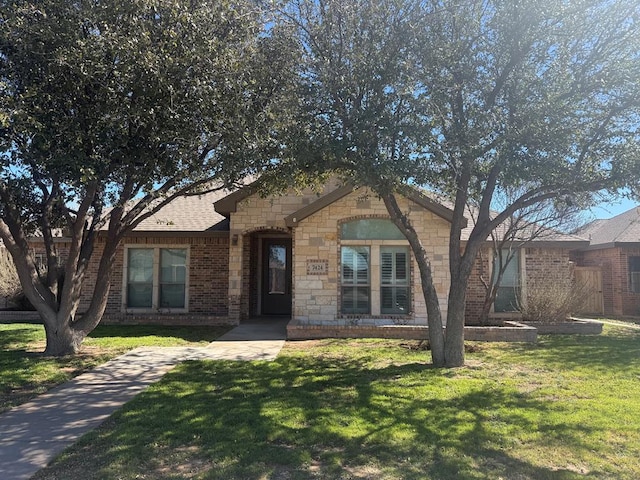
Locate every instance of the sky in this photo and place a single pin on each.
(608, 210)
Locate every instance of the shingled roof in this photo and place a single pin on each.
(197, 214)
(623, 228)
(187, 214)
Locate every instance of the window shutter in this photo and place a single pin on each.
(386, 268)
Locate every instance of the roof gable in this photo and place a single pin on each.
(412, 194)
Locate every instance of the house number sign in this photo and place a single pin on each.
(317, 267)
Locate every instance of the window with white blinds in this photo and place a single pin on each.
(394, 280)
(356, 280)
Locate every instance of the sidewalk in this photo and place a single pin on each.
(32, 434)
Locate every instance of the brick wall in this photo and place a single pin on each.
(476, 290)
(630, 300)
(547, 265)
(614, 263)
(538, 265)
(208, 276)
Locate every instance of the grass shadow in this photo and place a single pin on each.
(322, 418)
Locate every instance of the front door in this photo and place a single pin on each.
(276, 276)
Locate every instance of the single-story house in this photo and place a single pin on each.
(611, 262)
(334, 259)
(330, 258)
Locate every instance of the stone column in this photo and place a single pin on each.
(235, 275)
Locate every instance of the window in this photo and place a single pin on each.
(356, 280)
(509, 288)
(375, 274)
(156, 278)
(173, 276)
(394, 280)
(370, 229)
(634, 274)
(277, 269)
(140, 278)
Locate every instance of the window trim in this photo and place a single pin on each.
(156, 280)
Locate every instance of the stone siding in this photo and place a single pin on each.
(255, 216)
(317, 297)
(316, 238)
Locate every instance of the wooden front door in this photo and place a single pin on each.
(590, 278)
(276, 276)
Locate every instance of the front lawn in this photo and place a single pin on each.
(565, 408)
(25, 373)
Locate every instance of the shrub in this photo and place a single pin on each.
(10, 288)
(552, 300)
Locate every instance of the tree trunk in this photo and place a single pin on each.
(486, 307)
(454, 337)
(62, 338)
(65, 332)
(434, 316)
(460, 267)
(92, 317)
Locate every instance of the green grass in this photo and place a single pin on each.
(25, 373)
(565, 408)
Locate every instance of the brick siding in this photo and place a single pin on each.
(540, 265)
(208, 280)
(614, 264)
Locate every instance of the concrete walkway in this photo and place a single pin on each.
(32, 434)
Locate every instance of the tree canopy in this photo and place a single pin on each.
(474, 100)
(109, 110)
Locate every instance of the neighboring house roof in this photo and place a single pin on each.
(540, 235)
(623, 228)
